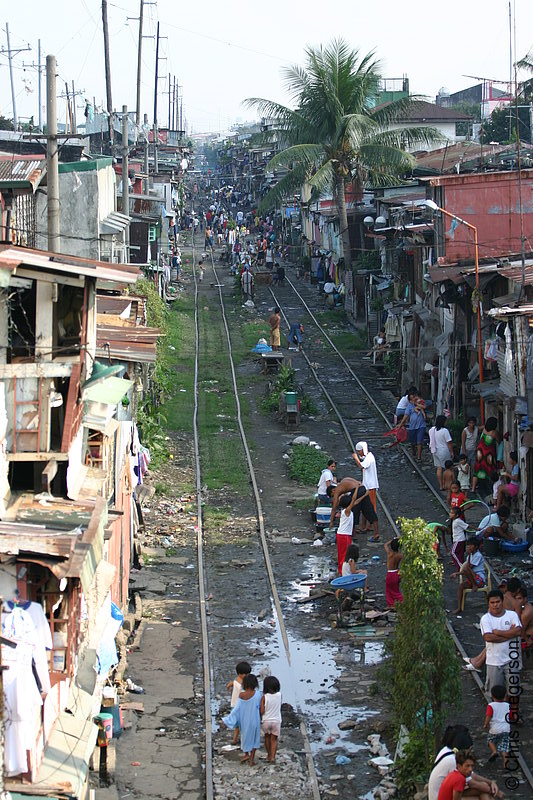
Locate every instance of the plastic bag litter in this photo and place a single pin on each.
(342, 760)
(295, 540)
(317, 543)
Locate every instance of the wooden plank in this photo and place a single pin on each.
(56, 277)
(36, 456)
(48, 474)
(42, 369)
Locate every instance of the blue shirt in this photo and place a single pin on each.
(416, 418)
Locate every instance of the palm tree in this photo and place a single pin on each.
(336, 134)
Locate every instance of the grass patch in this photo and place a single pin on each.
(215, 515)
(223, 464)
(331, 316)
(162, 488)
(305, 504)
(180, 362)
(306, 464)
(171, 551)
(349, 341)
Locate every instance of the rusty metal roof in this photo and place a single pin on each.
(127, 342)
(20, 172)
(12, 258)
(115, 305)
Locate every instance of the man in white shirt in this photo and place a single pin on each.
(499, 627)
(326, 479)
(367, 462)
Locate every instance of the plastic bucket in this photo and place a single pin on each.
(291, 398)
(491, 547)
(323, 514)
(106, 721)
(520, 546)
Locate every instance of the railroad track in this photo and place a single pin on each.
(358, 383)
(207, 655)
(415, 499)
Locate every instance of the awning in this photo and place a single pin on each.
(110, 391)
(114, 223)
(489, 390)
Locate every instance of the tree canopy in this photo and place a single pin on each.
(337, 132)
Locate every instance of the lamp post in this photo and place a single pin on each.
(434, 207)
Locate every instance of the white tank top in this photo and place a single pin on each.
(272, 708)
(345, 524)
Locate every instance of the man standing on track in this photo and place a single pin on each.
(273, 323)
(366, 461)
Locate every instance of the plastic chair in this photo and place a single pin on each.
(487, 588)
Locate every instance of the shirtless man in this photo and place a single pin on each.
(360, 502)
(273, 322)
(525, 612)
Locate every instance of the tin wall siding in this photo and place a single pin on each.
(489, 201)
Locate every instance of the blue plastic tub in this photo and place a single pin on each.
(350, 582)
(514, 547)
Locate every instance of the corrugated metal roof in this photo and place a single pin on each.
(21, 172)
(127, 343)
(12, 258)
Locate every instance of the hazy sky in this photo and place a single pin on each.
(222, 52)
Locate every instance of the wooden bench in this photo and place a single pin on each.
(272, 361)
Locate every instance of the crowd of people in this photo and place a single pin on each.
(461, 471)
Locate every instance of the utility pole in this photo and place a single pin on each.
(169, 99)
(39, 82)
(181, 114)
(75, 131)
(139, 63)
(146, 165)
(10, 55)
(125, 179)
(156, 166)
(174, 105)
(52, 161)
(107, 71)
(10, 58)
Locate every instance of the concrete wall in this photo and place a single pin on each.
(85, 199)
(446, 129)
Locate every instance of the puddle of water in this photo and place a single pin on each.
(316, 569)
(308, 683)
(215, 714)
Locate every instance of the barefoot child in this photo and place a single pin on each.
(497, 722)
(246, 716)
(271, 715)
(392, 581)
(345, 529)
(463, 473)
(459, 527)
(448, 477)
(242, 669)
(473, 572)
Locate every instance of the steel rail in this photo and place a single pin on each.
(202, 577)
(477, 680)
(367, 394)
(345, 430)
(262, 533)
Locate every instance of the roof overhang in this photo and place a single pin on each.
(13, 258)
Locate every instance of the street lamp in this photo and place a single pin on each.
(434, 207)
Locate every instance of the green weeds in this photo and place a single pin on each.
(306, 464)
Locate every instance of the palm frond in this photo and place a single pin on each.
(408, 137)
(398, 110)
(323, 179)
(285, 188)
(307, 154)
(390, 159)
